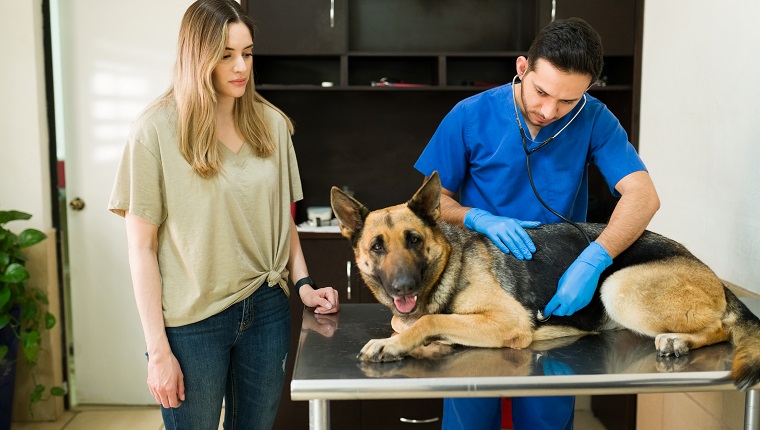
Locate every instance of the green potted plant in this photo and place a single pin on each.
(23, 308)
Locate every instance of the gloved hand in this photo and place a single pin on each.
(578, 283)
(506, 233)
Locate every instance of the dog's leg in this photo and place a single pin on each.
(500, 326)
(679, 302)
(681, 343)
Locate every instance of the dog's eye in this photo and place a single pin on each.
(376, 247)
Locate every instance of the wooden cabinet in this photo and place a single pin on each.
(354, 130)
(614, 20)
(331, 262)
(298, 27)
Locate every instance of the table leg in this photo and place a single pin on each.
(319, 414)
(752, 410)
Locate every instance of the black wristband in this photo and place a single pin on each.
(304, 281)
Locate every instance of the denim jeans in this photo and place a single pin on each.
(238, 355)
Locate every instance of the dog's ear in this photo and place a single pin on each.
(426, 202)
(350, 213)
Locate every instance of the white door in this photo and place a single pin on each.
(115, 57)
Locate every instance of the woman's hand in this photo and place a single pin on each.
(165, 379)
(324, 300)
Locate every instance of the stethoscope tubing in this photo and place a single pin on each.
(528, 153)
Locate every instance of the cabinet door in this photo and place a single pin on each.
(295, 414)
(330, 260)
(614, 20)
(296, 27)
(327, 256)
(402, 414)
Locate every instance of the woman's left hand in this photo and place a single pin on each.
(323, 300)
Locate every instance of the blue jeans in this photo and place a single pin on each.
(238, 355)
(528, 413)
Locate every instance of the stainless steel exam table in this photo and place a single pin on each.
(616, 362)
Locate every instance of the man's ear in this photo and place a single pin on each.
(350, 213)
(426, 202)
(521, 65)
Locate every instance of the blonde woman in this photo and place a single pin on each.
(205, 184)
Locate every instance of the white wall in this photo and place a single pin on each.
(700, 129)
(24, 177)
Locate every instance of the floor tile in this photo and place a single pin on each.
(57, 425)
(117, 419)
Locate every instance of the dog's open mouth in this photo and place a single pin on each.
(405, 304)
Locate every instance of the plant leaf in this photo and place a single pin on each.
(41, 296)
(57, 391)
(4, 320)
(5, 296)
(30, 237)
(8, 216)
(14, 274)
(30, 311)
(31, 344)
(3, 352)
(49, 320)
(36, 395)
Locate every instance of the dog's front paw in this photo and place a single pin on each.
(379, 350)
(671, 343)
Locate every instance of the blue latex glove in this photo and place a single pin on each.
(577, 285)
(507, 234)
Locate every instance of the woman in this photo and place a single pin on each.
(205, 184)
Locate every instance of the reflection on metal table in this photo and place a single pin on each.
(614, 362)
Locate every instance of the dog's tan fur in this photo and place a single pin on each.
(447, 284)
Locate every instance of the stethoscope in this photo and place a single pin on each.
(528, 153)
(522, 132)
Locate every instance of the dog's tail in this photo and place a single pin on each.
(744, 334)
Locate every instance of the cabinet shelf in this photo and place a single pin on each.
(442, 71)
(465, 88)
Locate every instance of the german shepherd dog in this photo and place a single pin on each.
(448, 284)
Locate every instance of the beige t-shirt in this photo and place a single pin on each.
(221, 238)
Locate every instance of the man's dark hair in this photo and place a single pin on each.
(570, 45)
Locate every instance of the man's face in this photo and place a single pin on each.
(547, 94)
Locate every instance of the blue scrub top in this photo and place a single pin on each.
(477, 151)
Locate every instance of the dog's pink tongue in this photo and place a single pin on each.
(405, 304)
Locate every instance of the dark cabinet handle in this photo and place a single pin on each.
(412, 421)
(348, 279)
(554, 9)
(332, 13)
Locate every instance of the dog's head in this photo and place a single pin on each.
(400, 251)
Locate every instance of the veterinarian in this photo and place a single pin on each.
(547, 116)
(205, 184)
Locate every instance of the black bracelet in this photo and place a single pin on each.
(304, 281)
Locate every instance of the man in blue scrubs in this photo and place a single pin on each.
(480, 149)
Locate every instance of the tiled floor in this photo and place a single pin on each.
(102, 418)
(149, 418)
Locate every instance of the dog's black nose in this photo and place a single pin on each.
(403, 285)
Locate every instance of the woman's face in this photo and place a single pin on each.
(231, 74)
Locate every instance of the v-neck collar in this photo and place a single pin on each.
(240, 158)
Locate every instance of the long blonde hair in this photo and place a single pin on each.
(202, 38)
